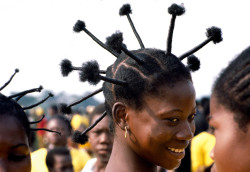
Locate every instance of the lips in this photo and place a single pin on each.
(176, 150)
(176, 153)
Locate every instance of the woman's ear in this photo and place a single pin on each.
(119, 113)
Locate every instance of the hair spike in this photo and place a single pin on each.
(82, 138)
(35, 122)
(174, 10)
(91, 73)
(21, 94)
(115, 42)
(39, 89)
(45, 129)
(7, 83)
(126, 10)
(34, 105)
(77, 137)
(213, 34)
(193, 63)
(66, 67)
(66, 109)
(80, 26)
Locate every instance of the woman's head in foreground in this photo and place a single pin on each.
(156, 108)
(14, 137)
(230, 116)
(15, 130)
(148, 92)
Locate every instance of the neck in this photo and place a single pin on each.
(124, 159)
(100, 166)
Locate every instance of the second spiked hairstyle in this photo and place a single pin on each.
(114, 44)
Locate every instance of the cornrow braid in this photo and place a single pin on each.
(232, 88)
(137, 73)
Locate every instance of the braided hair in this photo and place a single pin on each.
(232, 88)
(135, 73)
(9, 107)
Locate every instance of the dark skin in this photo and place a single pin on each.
(157, 134)
(231, 151)
(14, 146)
(101, 140)
(63, 163)
(54, 139)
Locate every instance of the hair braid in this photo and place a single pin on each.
(232, 88)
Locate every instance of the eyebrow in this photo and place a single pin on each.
(20, 145)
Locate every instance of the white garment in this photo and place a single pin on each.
(89, 167)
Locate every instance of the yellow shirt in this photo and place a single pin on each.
(38, 164)
(201, 146)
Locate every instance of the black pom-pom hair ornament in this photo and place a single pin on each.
(16, 97)
(138, 72)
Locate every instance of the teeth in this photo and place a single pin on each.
(176, 150)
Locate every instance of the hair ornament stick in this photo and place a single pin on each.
(213, 34)
(126, 10)
(82, 138)
(80, 26)
(7, 83)
(66, 109)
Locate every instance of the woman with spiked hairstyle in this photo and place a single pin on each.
(15, 131)
(150, 96)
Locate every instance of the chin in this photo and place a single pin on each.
(171, 166)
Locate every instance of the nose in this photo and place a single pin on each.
(3, 166)
(212, 154)
(186, 131)
(104, 138)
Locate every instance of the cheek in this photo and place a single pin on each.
(23, 166)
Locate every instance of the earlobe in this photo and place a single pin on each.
(119, 113)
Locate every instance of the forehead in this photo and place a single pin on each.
(104, 123)
(175, 94)
(11, 132)
(56, 122)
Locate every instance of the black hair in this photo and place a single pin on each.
(136, 73)
(65, 120)
(159, 69)
(232, 88)
(9, 107)
(50, 157)
(54, 108)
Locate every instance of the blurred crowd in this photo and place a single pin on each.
(52, 152)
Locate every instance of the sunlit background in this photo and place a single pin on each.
(35, 35)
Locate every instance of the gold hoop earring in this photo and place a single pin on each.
(126, 132)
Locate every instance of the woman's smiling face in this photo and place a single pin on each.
(14, 146)
(163, 128)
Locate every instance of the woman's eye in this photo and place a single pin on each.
(17, 158)
(191, 117)
(173, 120)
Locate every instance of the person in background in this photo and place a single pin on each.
(52, 111)
(59, 160)
(101, 141)
(202, 143)
(61, 124)
(230, 116)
